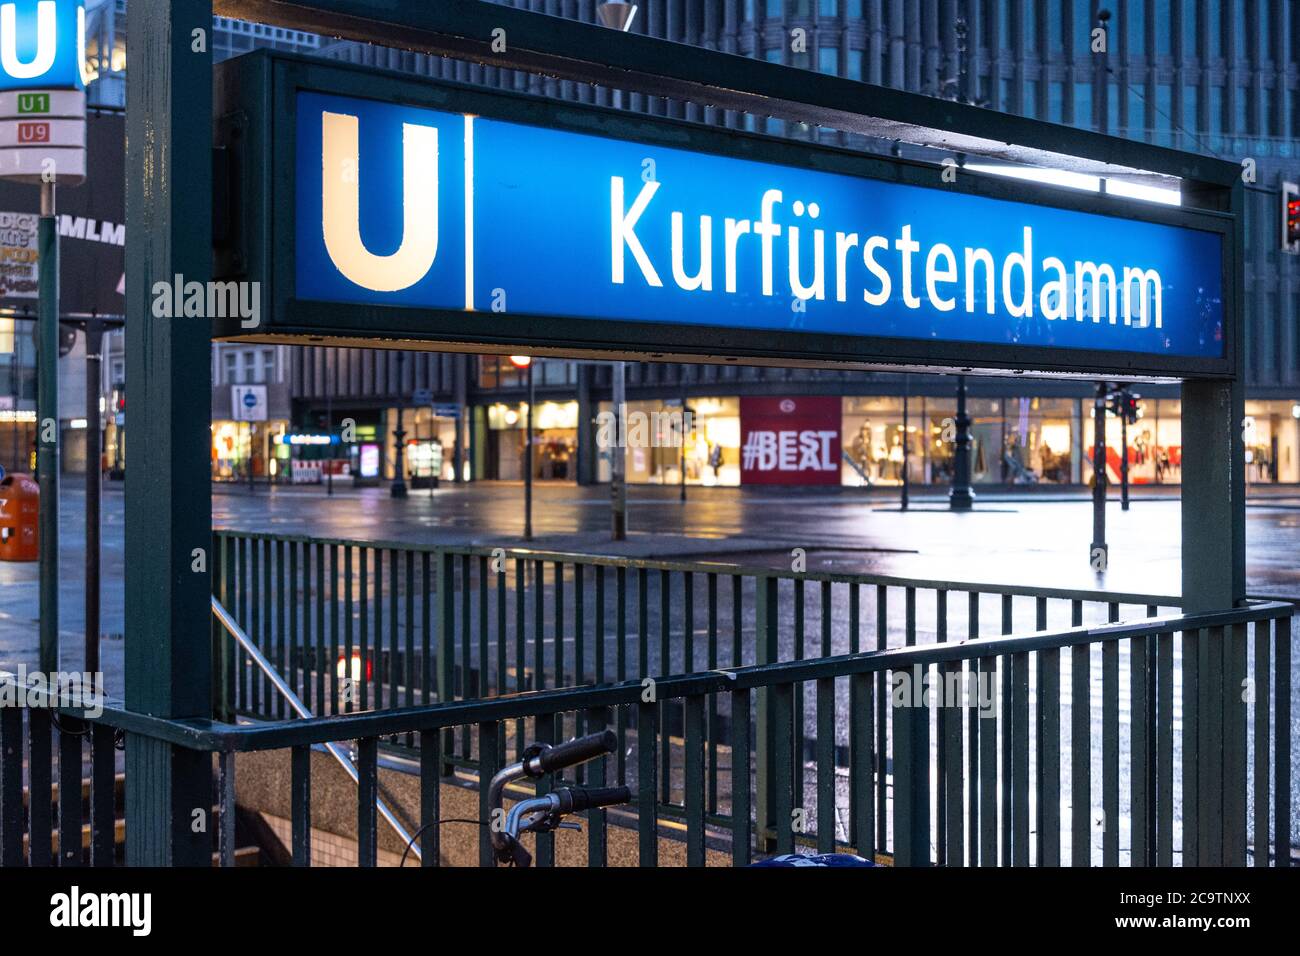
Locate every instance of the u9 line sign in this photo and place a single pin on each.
(370, 206)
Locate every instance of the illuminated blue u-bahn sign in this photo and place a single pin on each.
(42, 44)
(440, 214)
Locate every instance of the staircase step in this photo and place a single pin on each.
(119, 835)
(244, 855)
(119, 780)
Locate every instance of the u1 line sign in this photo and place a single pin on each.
(454, 216)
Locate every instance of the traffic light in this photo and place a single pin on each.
(1291, 218)
(1124, 404)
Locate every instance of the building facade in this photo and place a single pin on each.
(1219, 76)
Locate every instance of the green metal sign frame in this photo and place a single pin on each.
(256, 108)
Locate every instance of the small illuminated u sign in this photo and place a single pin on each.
(47, 41)
(340, 206)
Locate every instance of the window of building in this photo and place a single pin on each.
(1056, 102)
(1031, 107)
(1030, 28)
(1214, 33)
(1055, 27)
(1135, 30)
(1165, 113)
(1215, 116)
(231, 370)
(1083, 24)
(1191, 118)
(268, 365)
(854, 71)
(1190, 24)
(828, 60)
(828, 8)
(1137, 110)
(1083, 104)
(1164, 27)
(1286, 124)
(497, 371)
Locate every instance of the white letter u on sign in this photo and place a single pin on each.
(46, 41)
(340, 212)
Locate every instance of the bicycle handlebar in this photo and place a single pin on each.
(577, 799)
(577, 751)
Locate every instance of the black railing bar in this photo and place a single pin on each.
(295, 702)
(1287, 598)
(274, 735)
(722, 567)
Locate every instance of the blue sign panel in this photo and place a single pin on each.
(42, 44)
(401, 205)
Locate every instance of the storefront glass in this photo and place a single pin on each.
(1040, 441)
(430, 445)
(654, 454)
(1272, 437)
(239, 448)
(1155, 449)
(555, 441)
(871, 435)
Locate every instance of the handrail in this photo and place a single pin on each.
(716, 567)
(295, 702)
(273, 735)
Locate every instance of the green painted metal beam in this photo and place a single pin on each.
(168, 504)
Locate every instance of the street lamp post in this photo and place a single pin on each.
(526, 362)
(1123, 449)
(329, 425)
(961, 498)
(1097, 554)
(94, 332)
(682, 453)
(904, 502)
(399, 437)
(619, 16)
(618, 457)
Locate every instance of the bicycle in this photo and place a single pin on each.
(546, 813)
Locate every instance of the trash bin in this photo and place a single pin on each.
(20, 505)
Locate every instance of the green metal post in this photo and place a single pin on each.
(1214, 575)
(47, 415)
(765, 652)
(168, 494)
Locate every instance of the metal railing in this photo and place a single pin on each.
(299, 709)
(1184, 768)
(355, 625)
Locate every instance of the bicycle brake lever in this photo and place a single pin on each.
(548, 822)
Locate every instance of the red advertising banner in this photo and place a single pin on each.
(790, 441)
